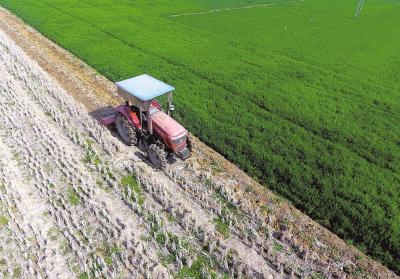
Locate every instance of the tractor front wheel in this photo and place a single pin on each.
(126, 131)
(157, 156)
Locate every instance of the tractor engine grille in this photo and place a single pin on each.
(179, 141)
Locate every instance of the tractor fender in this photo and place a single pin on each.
(127, 112)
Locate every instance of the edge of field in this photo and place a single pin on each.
(94, 91)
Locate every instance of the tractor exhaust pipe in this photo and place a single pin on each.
(171, 107)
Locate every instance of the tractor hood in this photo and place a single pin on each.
(164, 124)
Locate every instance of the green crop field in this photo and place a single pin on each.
(299, 94)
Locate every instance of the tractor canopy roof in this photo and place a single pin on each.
(144, 87)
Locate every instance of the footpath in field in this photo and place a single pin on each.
(263, 5)
(77, 202)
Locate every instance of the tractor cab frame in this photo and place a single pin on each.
(142, 121)
(140, 92)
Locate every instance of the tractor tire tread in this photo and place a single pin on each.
(131, 136)
(161, 155)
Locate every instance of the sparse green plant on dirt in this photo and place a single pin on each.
(216, 168)
(130, 182)
(227, 206)
(3, 221)
(16, 272)
(265, 209)
(222, 227)
(91, 158)
(65, 247)
(53, 233)
(107, 251)
(82, 238)
(278, 247)
(200, 268)
(248, 189)
(73, 197)
(317, 275)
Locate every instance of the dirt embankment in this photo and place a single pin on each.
(79, 210)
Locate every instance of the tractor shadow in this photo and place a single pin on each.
(103, 112)
(98, 114)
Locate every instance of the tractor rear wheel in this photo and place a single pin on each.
(157, 156)
(126, 131)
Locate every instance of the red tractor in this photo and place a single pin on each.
(142, 121)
